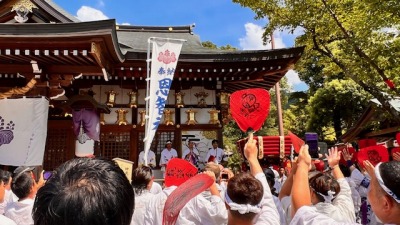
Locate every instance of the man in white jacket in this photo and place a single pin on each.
(4, 220)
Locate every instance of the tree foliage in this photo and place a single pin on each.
(356, 39)
(338, 104)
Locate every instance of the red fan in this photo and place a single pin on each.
(250, 108)
(182, 195)
(375, 154)
(398, 138)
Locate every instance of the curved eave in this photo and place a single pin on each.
(34, 35)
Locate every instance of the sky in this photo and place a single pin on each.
(220, 21)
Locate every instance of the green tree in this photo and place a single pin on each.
(337, 105)
(359, 39)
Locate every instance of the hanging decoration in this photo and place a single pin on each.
(179, 103)
(111, 96)
(191, 117)
(168, 117)
(201, 99)
(142, 116)
(133, 99)
(121, 119)
(224, 98)
(102, 120)
(214, 116)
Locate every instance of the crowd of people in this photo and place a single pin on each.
(96, 191)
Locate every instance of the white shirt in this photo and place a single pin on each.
(354, 195)
(341, 209)
(218, 154)
(140, 207)
(279, 183)
(269, 214)
(155, 188)
(199, 210)
(20, 212)
(308, 215)
(6, 221)
(151, 158)
(167, 155)
(155, 207)
(187, 151)
(282, 214)
(8, 198)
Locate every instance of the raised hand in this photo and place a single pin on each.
(396, 156)
(333, 157)
(346, 155)
(304, 156)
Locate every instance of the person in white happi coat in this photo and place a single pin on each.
(8, 195)
(151, 159)
(167, 154)
(250, 204)
(200, 210)
(4, 220)
(384, 193)
(331, 195)
(142, 180)
(177, 172)
(24, 187)
(215, 154)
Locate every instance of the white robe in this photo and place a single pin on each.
(20, 212)
(167, 155)
(218, 154)
(155, 188)
(6, 221)
(151, 158)
(269, 214)
(199, 210)
(155, 207)
(308, 215)
(140, 207)
(8, 198)
(341, 209)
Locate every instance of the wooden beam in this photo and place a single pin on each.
(56, 69)
(383, 131)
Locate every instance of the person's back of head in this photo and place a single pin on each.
(85, 191)
(325, 187)
(243, 196)
(384, 195)
(141, 178)
(213, 167)
(23, 183)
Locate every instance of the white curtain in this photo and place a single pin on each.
(23, 131)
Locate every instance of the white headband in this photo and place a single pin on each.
(382, 184)
(327, 199)
(242, 208)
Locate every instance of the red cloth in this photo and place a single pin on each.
(178, 171)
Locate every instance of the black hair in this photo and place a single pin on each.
(21, 184)
(322, 183)
(214, 141)
(85, 191)
(244, 188)
(5, 176)
(141, 178)
(390, 173)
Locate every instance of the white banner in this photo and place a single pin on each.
(165, 54)
(23, 131)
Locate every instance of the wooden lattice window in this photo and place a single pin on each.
(115, 144)
(158, 144)
(59, 147)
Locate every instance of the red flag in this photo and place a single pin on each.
(250, 108)
(296, 142)
(178, 171)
